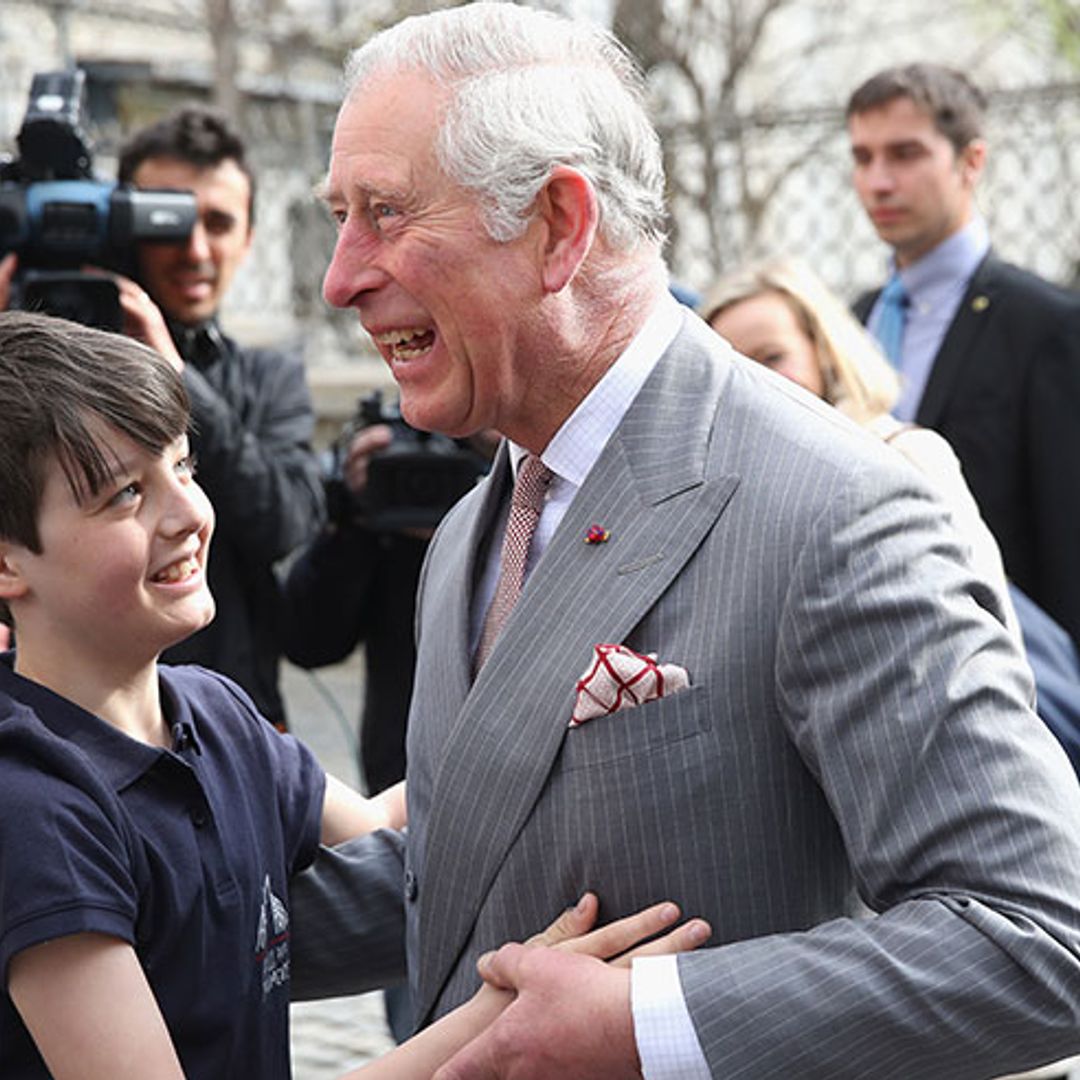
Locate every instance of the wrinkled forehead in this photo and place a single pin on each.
(386, 133)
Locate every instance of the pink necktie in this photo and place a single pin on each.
(526, 503)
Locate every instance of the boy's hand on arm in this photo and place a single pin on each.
(92, 1015)
(346, 813)
(493, 1018)
(571, 1015)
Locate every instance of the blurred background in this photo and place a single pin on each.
(748, 95)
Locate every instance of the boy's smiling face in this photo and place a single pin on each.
(121, 575)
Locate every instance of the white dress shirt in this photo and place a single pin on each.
(666, 1041)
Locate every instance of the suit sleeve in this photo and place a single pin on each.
(1053, 467)
(260, 471)
(348, 918)
(909, 704)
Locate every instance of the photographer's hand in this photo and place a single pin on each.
(364, 445)
(143, 319)
(8, 264)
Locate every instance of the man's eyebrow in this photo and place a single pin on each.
(326, 193)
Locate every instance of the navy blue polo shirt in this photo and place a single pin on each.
(185, 853)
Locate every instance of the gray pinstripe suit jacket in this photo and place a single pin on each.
(857, 727)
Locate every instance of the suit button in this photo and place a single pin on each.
(411, 886)
(198, 817)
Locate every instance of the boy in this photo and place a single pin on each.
(151, 817)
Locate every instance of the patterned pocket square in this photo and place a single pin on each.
(619, 678)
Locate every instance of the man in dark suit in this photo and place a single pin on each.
(990, 354)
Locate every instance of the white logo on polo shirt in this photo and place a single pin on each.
(272, 940)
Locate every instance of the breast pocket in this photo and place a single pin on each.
(642, 729)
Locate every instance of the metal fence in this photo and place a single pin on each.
(1028, 194)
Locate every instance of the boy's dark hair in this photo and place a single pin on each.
(195, 134)
(56, 379)
(949, 97)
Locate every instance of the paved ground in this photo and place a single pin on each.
(329, 1037)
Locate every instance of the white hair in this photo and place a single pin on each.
(531, 91)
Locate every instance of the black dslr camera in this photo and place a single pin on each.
(57, 217)
(411, 484)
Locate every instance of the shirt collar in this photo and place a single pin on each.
(120, 759)
(575, 447)
(954, 259)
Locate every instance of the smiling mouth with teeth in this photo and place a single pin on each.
(178, 571)
(407, 344)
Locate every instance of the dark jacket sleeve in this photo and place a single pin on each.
(327, 595)
(348, 918)
(255, 457)
(1053, 465)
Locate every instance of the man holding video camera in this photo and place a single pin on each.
(251, 410)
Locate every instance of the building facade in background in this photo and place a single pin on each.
(748, 93)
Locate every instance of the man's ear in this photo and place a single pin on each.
(12, 583)
(972, 161)
(570, 212)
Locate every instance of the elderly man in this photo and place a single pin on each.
(819, 702)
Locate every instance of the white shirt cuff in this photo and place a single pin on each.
(666, 1040)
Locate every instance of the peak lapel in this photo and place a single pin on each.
(652, 491)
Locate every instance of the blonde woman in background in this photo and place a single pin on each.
(781, 314)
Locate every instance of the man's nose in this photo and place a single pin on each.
(198, 244)
(878, 175)
(352, 271)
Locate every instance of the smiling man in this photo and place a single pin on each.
(251, 410)
(821, 698)
(989, 353)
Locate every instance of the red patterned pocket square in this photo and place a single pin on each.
(619, 678)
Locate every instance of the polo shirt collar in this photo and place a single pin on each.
(120, 759)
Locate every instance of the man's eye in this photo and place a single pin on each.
(219, 224)
(381, 212)
(186, 466)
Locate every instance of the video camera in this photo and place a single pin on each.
(411, 484)
(58, 218)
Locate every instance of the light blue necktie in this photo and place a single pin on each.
(892, 314)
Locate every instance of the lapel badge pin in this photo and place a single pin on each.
(597, 534)
(980, 304)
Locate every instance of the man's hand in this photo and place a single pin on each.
(571, 1019)
(8, 265)
(144, 321)
(365, 443)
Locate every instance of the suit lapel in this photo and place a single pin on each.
(958, 347)
(448, 588)
(652, 491)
